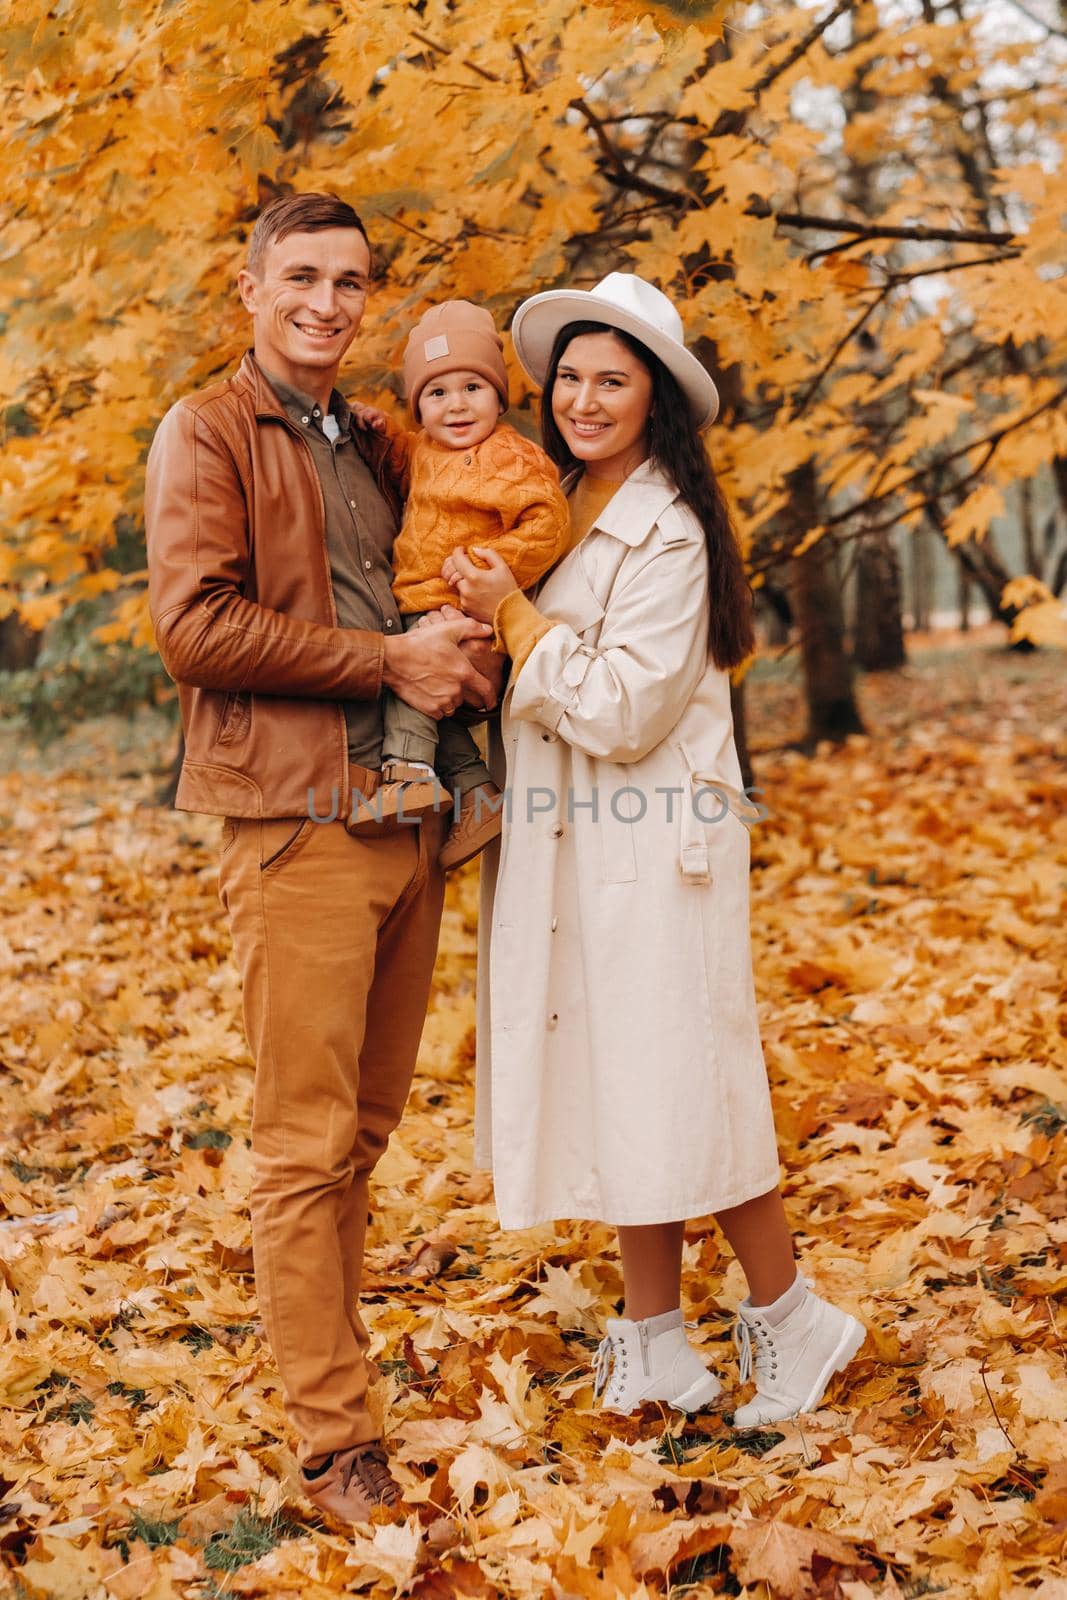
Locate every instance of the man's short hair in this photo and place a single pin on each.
(299, 213)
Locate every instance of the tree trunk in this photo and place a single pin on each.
(878, 640)
(775, 613)
(978, 162)
(737, 706)
(1031, 556)
(983, 564)
(815, 594)
(19, 645)
(920, 582)
(878, 635)
(1058, 581)
(964, 592)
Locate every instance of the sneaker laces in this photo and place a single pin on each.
(371, 1467)
(602, 1366)
(766, 1359)
(610, 1363)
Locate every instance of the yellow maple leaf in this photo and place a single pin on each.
(971, 519)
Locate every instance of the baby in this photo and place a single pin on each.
(471, 480)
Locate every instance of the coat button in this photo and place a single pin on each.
(553, 1021)
(549, 738)
(556, 832)
(555, 924)
(367, 565)
(467, 460)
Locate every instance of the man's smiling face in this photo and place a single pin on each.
(306, 302)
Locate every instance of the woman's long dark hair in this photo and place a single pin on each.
(675, 447)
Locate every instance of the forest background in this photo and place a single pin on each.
(859, 206)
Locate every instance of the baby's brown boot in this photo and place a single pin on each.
(477, 825)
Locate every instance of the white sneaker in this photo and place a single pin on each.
(634, 1365)
(794, 1361)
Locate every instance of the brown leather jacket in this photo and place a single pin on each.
(242, 604)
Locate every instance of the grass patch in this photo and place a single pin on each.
(22, 1172)
(79, 1409)
(1048, 1118)
(135, 1397)
(152, 1533)
(697, 1570)
(197, 1339)
(208, 1139)
(674, 1449)
(752, 1441)
(249, 1537)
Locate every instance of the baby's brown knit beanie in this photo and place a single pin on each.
(453, 337)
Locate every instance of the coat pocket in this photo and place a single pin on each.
(228, 836)
(280, 840)
(236, 715)
(621, 805)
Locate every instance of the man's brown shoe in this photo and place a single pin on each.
(477, 825)
(354, 1485)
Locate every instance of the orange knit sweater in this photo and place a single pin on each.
(503, 492)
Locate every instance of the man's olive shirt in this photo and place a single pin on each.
(360, 529)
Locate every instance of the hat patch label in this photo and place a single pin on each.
(433, 349)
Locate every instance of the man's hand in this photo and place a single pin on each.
(480, 589)
(429, 670)
(479, 651)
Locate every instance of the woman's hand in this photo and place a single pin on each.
(480, 589)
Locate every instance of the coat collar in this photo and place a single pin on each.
(271, 402)
(250, 376)
(636, 506)
(373, 447)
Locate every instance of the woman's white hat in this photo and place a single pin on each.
(622, 300)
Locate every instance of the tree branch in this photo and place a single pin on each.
(431, 44)
(527, 76)
(926, 502)
(1039, 22)
(801, 405)
(621, 175)
(876, 230)
(802, 48)
(490, 77)
(730, 123)
(991, 440)
(954, 266)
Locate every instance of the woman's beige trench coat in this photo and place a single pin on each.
(620, 1071)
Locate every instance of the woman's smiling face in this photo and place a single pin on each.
(601, 401)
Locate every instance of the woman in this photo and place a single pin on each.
(621, 1076)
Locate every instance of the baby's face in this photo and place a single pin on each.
(459, 409)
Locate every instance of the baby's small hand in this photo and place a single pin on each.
(480, 588)
(369, 417)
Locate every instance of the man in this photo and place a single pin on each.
(270, 521)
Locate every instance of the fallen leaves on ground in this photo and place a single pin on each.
(908, 894)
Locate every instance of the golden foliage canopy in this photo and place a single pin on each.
(859, 208)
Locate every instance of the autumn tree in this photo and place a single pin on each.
(905, 350)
